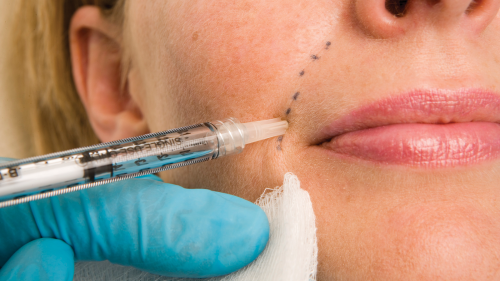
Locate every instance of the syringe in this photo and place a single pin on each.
(59, 173)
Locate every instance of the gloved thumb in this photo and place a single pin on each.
(41, 259)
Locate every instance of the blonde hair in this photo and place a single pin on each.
(39, 62)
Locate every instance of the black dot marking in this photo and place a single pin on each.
(302, 73)
(314, 57)
(288, 111)
(280, 138)
(328, 44)
(296, 96)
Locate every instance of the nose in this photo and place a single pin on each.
(391, 18)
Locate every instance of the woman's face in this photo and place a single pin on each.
(414, 201)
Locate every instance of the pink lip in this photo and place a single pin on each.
(425, 128)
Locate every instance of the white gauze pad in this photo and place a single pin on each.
(291, 253)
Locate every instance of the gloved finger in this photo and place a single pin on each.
(41, 259)
(157, 227)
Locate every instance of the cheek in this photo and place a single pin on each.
(235, 55)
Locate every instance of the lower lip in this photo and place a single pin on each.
(422, 145)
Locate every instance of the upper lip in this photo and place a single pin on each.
(428, 106)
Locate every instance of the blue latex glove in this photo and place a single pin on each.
(145, 223)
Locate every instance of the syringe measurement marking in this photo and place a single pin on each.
(163, 157)
(120, 153)
(13, 173)
(133, 153)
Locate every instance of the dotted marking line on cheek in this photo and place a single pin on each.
(295, 97)
(326, 46)
(280, 140)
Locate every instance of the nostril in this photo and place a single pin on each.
(396, 7)
(473, 5)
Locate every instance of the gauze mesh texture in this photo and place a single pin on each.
(291, 253)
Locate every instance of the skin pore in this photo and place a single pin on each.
(311, 62)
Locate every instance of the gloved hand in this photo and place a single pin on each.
(145, 223)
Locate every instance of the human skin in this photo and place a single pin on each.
(201, 60)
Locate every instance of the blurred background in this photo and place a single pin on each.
(14, 127)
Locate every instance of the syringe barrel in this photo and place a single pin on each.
(53, 174)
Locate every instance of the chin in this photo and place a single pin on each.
(436, 241)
